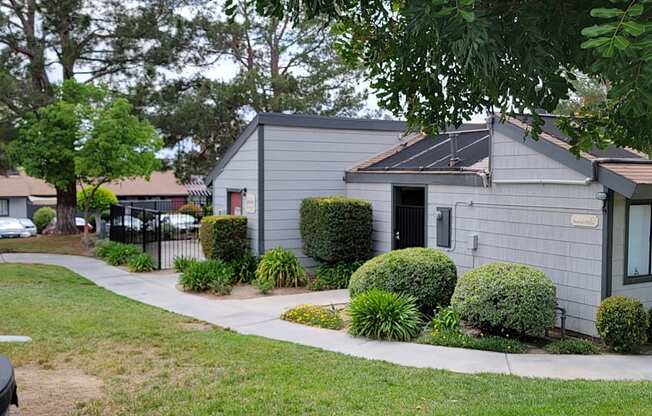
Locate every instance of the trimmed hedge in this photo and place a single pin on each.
(426, 274)
(224, 237)
(336, 228)
(622, 323)
(506, 297)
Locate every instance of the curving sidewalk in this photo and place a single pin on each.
(260, 317)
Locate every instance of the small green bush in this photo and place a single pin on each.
(104, 247)
(264, 286)
(224, 237)
(140, 263)
(506, 297)
(571, 346)
(458, 339)
(445, 320)
(43, 217)
(244, 268)
(426, 274)
(314, 316)
(380, 314)
(622, 323)
(334, 276)
(336, 228)
(181, 264)
(118, 254)
(281, 268)
(214, 275)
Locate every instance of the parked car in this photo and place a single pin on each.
(29, 225)
(11, 228)
(79, 222)
(8, 395)
(182, 222)
(128, 221)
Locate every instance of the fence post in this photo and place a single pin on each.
(158, 237)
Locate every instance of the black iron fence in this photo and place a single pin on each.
(162, 228)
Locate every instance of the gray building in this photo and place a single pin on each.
(480, 193)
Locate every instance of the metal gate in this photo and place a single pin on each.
(158, 228)
(409, 226)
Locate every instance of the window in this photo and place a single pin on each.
(4, 207)
(638, 241)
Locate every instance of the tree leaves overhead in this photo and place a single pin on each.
(437, 62)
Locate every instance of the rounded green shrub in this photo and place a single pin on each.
(140, 263)
(380, 314)
(213, 275)
(622, 323)
(508, 297)
(280, 268)
(426, 274)
(43, 217)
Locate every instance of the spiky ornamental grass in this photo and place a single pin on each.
(280, 268)
(379, 314)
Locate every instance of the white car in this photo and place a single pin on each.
(183, 222)
(29, 225)
(128, 222)
(11, 228)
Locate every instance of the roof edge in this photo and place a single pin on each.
(300, 120)
(455, 178)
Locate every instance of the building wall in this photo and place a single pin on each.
(241, 172)
(521, 223)
(304, 162)
(380, 197)
(642, 291)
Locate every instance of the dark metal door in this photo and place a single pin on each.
(409, 226)
(409, 217)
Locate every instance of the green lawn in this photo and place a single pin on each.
(153, 364)
(54, 244)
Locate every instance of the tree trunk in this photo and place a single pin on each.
(66, 210)
(98, 220)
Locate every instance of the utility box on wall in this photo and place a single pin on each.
(443, 227)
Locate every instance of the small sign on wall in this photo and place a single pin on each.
(250, 203)
(584, 220)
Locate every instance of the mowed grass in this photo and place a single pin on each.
(54, 244)
(154, 363)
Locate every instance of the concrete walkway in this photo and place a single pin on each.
(260, 317)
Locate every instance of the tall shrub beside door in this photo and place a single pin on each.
(337, 232)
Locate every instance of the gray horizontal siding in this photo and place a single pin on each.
(240, 172)
(380, 197)
(304, 162)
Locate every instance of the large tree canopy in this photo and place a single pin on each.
(85, 137)
(437, 62)
(43, 42)
(271, 64)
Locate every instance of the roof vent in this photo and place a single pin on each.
(454, 159)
